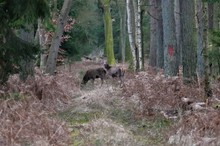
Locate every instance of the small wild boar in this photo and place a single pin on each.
(92, 74)
(115, 72)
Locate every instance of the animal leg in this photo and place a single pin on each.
(93, 82)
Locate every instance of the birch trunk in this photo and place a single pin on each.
(130, 33)
(53, 52)
(138, 36)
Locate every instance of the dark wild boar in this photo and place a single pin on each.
(92, 74)
(115, 72)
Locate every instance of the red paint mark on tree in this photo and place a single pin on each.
(171, 50)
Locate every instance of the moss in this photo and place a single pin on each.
(77, 139)
(109, 34)
(77, 118)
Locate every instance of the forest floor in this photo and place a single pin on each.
(100, 115)
(148, 110)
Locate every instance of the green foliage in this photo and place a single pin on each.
(215, 38)
(211, 1)
(16, 14)
(11, 55)
(214, 52)
(29, 10)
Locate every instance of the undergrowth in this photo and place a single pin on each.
(54, 110)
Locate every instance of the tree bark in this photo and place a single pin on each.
(153, 33)
(53, 52)
(138, 36)
(122, 13)
(207, 88)
(159, 32)
(178, 31)
(188, 38)
(42, 41)
(200, 25)
(109, 43)
(210, 15)
(130, 33)
(169, 38)
(26, 66)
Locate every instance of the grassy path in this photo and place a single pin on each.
(100, 116)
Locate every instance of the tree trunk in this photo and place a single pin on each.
(187, 38)
(169, 38)
(130, 33)
(210, 15)
(42, 41)
(178, 31)
(159, 32)
(207, 88)
(53, 52)
(26, 66)
(109, 43)
(138, 35)
(122, 13)
(153, 33)
(200, 24)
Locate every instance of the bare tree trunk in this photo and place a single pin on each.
(26, 66)
(122, 13)
(187, 38)
(170, 48)
(159, 32)
(138, 36)
(42, 41)
(130, 33)
(178, 31)
(200, 24)
(210, 15)
(53, 52)
(109, 45)
(207, 88)
(153, 33)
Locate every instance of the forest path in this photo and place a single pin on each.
(100, 116)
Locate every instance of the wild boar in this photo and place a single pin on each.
(92, 74)
(115, 72)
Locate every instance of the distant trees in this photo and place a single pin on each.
(170, 36)
(180, 44)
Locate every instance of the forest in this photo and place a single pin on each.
(109, 72)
